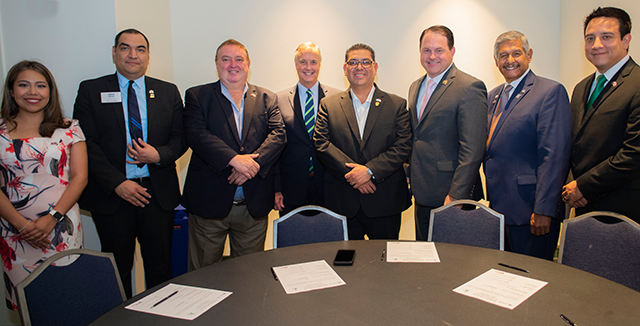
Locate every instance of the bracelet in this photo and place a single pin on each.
(24, 227)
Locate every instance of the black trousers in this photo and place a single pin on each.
(382, 227)
(152, 226)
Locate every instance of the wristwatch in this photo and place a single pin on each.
(56, 216)
(371, 173)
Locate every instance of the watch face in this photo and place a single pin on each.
(58, 216)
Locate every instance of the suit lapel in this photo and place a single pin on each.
(442, 86)
(376, 105)
(118, 108)
(151, 107)
(413, 109)
(227, 109)
(248, 112)
(610, 88)
(347, 107)
(522, 90)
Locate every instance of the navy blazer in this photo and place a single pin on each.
(104, 128)
(292, 169)
(527, 159)
(211, 132)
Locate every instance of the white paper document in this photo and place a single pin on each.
(501, 288)
(179, 301)
(309, 276)
(412, 252)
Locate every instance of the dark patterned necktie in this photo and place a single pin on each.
(135, 123)
(309, 121)
(602, 80)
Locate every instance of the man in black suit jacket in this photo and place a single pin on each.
(605, 155)
(363, 138)
(236, 133)
(299, 174)
(133, 185)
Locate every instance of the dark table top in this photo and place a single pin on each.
(381, 293)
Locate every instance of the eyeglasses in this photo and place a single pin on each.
(366, 63)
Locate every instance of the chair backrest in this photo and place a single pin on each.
(608, 250)
(75, 294)
(296, 228)
(481, 227)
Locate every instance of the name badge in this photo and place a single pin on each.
(110, 97)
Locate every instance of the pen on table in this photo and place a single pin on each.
(165, 299)
(568, 320)
(273, 271)
(513, 267)
(383, 252)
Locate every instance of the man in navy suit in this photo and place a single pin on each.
(133, 125)
(299, 174)
(527, 157)
(605, 154)
(236, 133)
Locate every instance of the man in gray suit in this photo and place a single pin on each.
(448, 110)
(299, 175)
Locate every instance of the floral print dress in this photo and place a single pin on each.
(34, 172)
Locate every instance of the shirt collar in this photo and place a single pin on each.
(227, 94)
(516, 82)
(369, 97)
(314, 89)
(437, 79)
(613, 70)
(124, 82)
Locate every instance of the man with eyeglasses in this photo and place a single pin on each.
(299, 174)
(448, 110)
(362, 138)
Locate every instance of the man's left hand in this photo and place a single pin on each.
(540, 224)
(572, 195)
(358, 175)
(141, 152)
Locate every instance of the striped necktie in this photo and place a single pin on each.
(309, 120)
(135, 123)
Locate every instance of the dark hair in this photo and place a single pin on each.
(232, 42)
(442, 30)
(360, 46)
(130, 31)
(611, 12)
(53, 118)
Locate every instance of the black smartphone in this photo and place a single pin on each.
(344, 257)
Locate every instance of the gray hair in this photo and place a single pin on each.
(510, 36)
(307, 46)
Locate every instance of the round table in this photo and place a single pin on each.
(381, 293)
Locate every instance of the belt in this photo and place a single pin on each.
(239, 202)
(140, 180)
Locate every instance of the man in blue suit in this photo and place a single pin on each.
(528, 147)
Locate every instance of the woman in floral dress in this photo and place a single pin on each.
(43, 170)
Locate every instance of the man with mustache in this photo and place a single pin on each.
(527, 156)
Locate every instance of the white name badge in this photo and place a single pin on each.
(110, 97)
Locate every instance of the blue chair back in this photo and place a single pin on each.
(608, 250)
(295, 228)
(481, 227)
(75, 294)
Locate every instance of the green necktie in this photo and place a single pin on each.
(601, 81)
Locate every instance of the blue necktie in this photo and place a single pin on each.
(309, 121)
(135, 124)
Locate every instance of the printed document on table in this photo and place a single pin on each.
(412, 252)
(309, 276)
(179, 301)
(501, 288)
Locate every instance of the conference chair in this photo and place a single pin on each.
(296, 228)
(75, 294)
(480, 227)
(608, 250)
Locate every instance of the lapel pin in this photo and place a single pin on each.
(152, 94)
(253, 94)
(378, 101)
(614, 84)
(444, 82)
(494, 102)
(518, 96)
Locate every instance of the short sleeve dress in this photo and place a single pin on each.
(34, 172)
